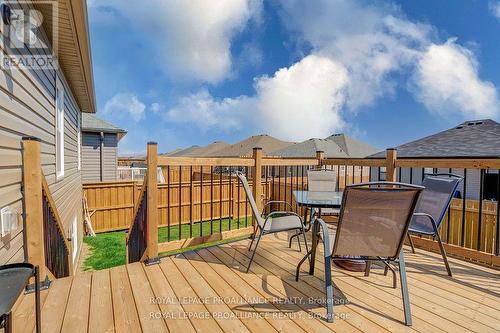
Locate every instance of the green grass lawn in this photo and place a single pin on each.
(108, 249)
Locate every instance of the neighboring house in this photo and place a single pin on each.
(335, 146)
(245, 147)
(213, 149)
(471, 139)
(99, 149)
(47, 103)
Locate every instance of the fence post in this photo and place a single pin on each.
(257, 176)
(390, 168)
(320, 155)
(152, 204)
(33, 197)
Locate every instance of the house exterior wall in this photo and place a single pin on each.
(414, 176)
(91, 157)
(27, 108)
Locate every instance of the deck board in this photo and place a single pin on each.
(101, 303)
(209, 291)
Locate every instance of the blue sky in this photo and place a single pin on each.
(183, 73)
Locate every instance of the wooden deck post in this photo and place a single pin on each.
(152, 203)
(257, 176)
(320, 155)
(390, 169)
(33, 211)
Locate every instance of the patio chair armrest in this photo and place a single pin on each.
(275, 202)
(434, 225)
(326, 237)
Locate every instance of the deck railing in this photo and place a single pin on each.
(46, 243)
(137, 236)
(201, 199)
(57, 247)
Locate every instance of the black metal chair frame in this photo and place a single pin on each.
(319, 223)
(436, 223)
(6, 318)
(262, 229)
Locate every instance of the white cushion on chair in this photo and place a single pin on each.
(282, 223)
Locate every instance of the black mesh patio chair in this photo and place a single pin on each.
(373, 224)
(275, 221)
(431, 208)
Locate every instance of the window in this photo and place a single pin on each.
(79, 141)
(59, 129)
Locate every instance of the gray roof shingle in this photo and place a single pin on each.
(476, 138)
(334, 146)
(93, 124)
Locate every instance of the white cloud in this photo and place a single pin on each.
(380, 41)
(296, 103)
(190, 39)
(381, 47)
(494, 7)
(157, 107)
(202, 110)
(303, 100)
(447, 80)
(125, 103)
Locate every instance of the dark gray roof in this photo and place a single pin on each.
(476, 138)
(91, 123)
(335, 146)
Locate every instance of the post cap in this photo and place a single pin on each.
(391, 149)
(30, 138)
(320, 152)
(152, 143)
(257, 148)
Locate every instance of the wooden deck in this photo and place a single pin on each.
(207, 291)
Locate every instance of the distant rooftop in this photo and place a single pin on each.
(90, 123)
(334, 146)
(245, 147)
(474, 138)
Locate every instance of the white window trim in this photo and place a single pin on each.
(60, 119)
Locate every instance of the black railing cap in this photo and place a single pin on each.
(152, 143)
(257, 148)
(391, 149)
(31, 138)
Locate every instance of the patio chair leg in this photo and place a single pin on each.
(251, 242)
(297, 271)
(394, 278)
(329, 289)
(291, 239)
(298, 240)
(404, 289)
(305, 242)
(368, 267)
(411, 243)
(254, 250)
(443, 253)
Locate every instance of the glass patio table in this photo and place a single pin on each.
(315, 199)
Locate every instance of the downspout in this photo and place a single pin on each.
(102, 157)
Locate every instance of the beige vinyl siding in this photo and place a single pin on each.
(110, 156)
(91, 146)
(27, 108)
(91, 156)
